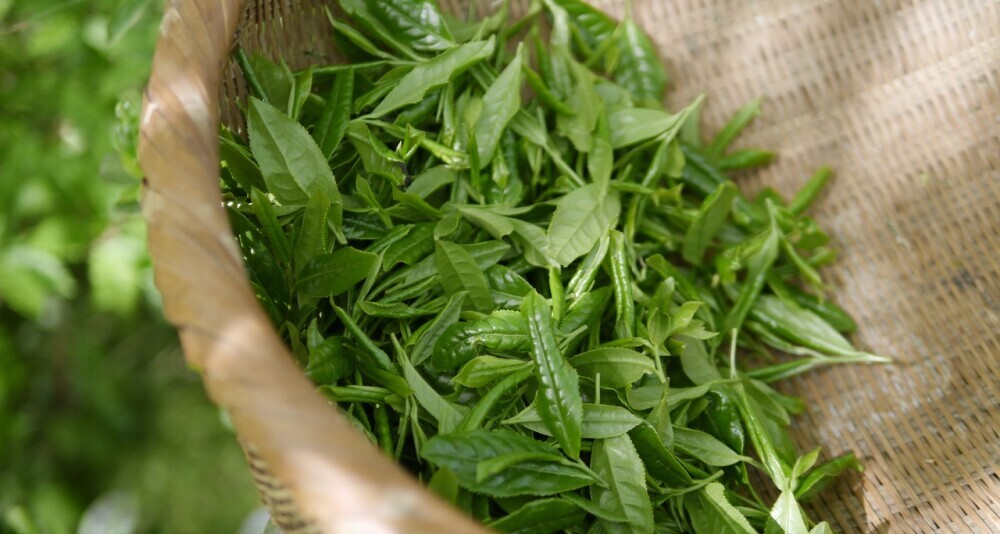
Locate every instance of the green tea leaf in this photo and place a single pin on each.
(373, 26)
(639, 69)
(274, 80)
(660, 462)
(800, 326)
(540, 517)
(481, 410)
(485, 254)
(582, 217)
(329, 275)
(616, 367)
(594, 25)
(705, 447)
(616, 461)
(429, 335)
(759, 265)
(483, 370)
(336, 114)
(508, 287)
(458, 271)
(417, 245)
(711, 512)
(445, 413)
(418, 22)
(328, 362)
(312, 239)
(501, 102)
(463, 451)
(433, 73)
(558, 400)
(599, 421)
(271, 228)
(787, 514)
(502, 331)
(240, 166)
(743, 117)
(629, 126)
(292, 165)
(711, 216)
(823, 475)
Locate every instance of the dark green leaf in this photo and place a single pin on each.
(593, 25)
(417, 245)
(329, 275)
(463, 451)
(586, 310)
(540, 517)
(273, 79)
(659, 461)
(271, 228)
(478, 414)
(428, 336)
(328, 362)
(240, 166)
(373, 26)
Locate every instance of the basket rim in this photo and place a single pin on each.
(326, 476)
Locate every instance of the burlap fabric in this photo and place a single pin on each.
(902, 98)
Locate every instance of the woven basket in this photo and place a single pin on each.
(902, 98)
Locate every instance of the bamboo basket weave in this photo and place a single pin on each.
(901, 97)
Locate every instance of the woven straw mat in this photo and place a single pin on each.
(902, 98)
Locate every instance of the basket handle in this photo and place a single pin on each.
(326, 476)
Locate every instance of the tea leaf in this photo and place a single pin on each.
(558, 399)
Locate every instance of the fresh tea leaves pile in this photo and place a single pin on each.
(527, 282)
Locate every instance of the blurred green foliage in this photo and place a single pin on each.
(94, 396)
